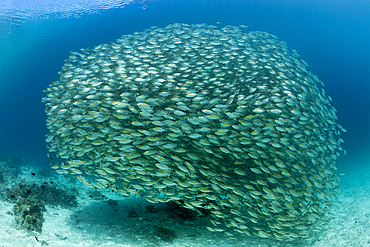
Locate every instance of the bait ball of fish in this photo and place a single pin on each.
(210, 118)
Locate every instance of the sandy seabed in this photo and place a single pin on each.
(97, 223)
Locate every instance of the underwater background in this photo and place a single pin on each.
(333, 37)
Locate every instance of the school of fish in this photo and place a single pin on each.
(210, 118)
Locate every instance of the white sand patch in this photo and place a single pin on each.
(351, 225)
(96, 223)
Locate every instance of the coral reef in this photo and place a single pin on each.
(48, 193)
(28, 213)
(30, 200)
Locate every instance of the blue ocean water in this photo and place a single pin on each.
(331, 36)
